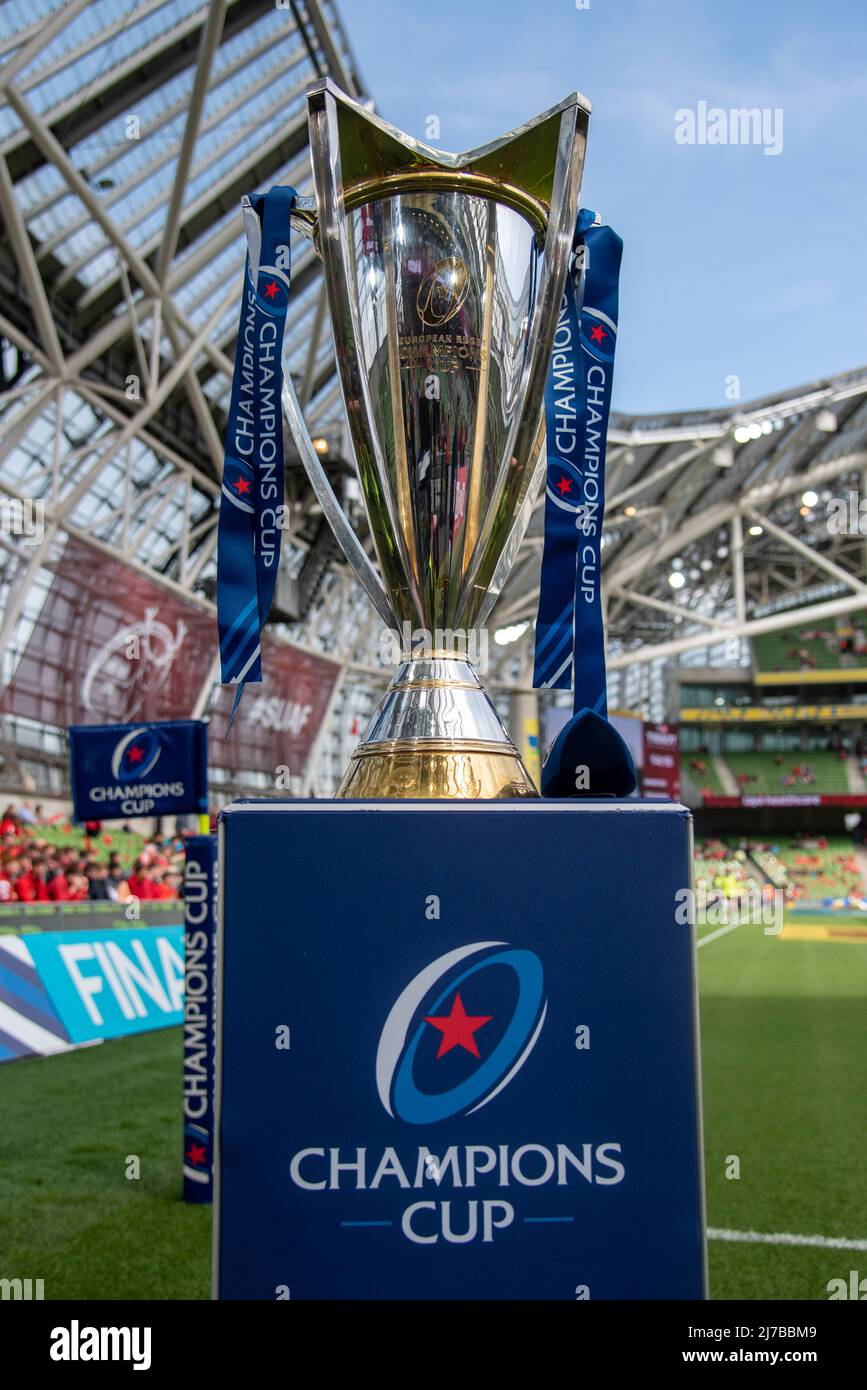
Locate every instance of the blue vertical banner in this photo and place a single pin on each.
(251, 503)
(155, 769)
(200, 929)
(570, 646)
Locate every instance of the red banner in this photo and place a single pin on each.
(110, 646)
(661, 772)
(277, 720)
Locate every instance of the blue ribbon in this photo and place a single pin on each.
(248, 540)
(570, 644)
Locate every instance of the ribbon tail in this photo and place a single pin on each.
(236, 702)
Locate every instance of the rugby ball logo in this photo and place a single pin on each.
(135, 755)
(460, 1032)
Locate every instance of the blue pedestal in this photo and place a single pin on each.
(458, 1052)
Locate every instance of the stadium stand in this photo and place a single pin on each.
(704, 774)
(823, 772)
(823, 647)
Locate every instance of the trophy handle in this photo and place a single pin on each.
(354, 552)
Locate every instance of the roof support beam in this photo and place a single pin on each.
(48, 29)
(777, 622)
(813, 556)
(211, 35)
(24, 254)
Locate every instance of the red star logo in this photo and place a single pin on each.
(196, 1153)
(135, 754)
(241, 486)
(271, 290)
(459, 1028)
(598, 333)
(564, 485)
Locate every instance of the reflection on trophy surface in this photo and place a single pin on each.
(444, 276)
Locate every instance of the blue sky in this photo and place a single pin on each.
(735, 262)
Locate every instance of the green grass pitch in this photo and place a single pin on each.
(785, 1090)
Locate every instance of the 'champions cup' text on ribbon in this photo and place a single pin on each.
(588, 575)
(253, 433)
(569, 629)
(460, 1167)
(251, 501)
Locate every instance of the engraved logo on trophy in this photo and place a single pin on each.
(442, 291)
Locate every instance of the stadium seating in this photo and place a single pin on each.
(127, 844)
(700, 768)
(806, 648)
(777, 774)
(807, 870)
(824, 868)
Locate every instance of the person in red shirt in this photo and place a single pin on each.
(78, 888)
(25, 887)
(40, 880)
(141, 883)
(58, 887)
(8, 879)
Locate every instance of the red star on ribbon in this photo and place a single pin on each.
(564, 485)
(598, 333)
(271, 290)
(196, 1153)
(459, 1028)
(135, 754)
(241, 486)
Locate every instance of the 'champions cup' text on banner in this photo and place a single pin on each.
(104, 984)
(152, 769)
(200, 924)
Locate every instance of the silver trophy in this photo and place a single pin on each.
(444, 276)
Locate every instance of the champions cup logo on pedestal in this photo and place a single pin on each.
(444, 276)
(430, 1017)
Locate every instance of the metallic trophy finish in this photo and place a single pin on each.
(444, 276)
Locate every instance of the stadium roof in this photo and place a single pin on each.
(708, 533)
(127, 138)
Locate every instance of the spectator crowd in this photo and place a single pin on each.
(36, 869)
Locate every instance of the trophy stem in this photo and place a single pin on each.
(436, 735)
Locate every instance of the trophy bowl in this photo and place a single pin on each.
(444, 277)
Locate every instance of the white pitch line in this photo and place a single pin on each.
(720, 931)
(786, 1238)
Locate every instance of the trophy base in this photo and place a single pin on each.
(436, 736)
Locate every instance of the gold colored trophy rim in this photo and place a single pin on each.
(433, 745)
(432, 684)
(449, 181)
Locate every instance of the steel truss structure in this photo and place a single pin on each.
(719, 523)
(128, 134)
(127, 138)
